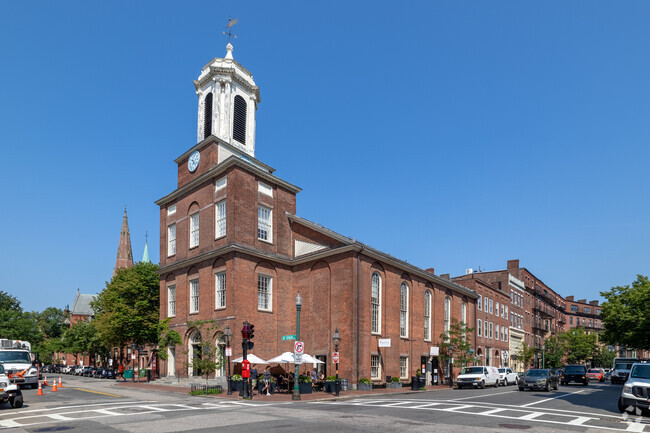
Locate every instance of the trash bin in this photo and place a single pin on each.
(415, 383)
(423, 381)
(128, 374)
(345, 384)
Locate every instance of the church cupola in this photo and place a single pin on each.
(228, 99)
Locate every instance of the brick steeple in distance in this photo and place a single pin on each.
(124, 252)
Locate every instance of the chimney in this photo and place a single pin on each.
(513, 264)
(582, 301)
(569, 298)
(445, 276)
(430, 270)
(595, 303)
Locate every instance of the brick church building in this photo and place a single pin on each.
(233, 249)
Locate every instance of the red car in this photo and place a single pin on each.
(596, 374)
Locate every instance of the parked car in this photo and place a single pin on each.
(539, 378)
(9, 392)
(608, 375)
(88, 371)
(478, 377)
(596, 374)
(78, 370)
(507, 376)
(634, 396)
(98, 372)
(108, 374)
(68, 369)
(621, 372)
(574, 373)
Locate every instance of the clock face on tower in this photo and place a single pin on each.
(193, 162)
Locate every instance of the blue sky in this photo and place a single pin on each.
(448, 134)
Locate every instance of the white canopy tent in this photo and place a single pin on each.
(252, 359)
(288, 357)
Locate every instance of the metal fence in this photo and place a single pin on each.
(208, 389)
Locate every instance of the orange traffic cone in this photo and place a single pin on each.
(54, 386)
(60, 382)
(45, 382)
(40, 390)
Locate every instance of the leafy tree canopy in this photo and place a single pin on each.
(15, 324)
(554, 350)
(626, 314)
(580, 346)
(455, 344)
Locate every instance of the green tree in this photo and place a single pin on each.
(455, 344)
(166, 338)
(525, 353)
(580, 346)
(626, 314)
(15, 323)
(208, 359)
(554, 350)
(83, 337)
(51, 322)
(127, 310)
(604, 357)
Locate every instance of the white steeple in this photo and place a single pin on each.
(228, 99)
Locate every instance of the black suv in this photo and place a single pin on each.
(574, 373)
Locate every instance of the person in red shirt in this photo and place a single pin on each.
(120, 371)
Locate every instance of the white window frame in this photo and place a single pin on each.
(171, 209)
(506, 333)
(496, 332)
(194, 230)
(375, 367)
(171, 300)
(264, 223)
(171, 240)
(491, 305)
(404, 311)
(491, 328)
(463, 313)
(447, 316)
(194, 296)
(220, 219)
(264, 189)
(479, 302)
(220, 290)
(427, 315)
(221, 184)
(264, 288)
(479, 330)
(403, 367)
(375, 303)
(497, 308)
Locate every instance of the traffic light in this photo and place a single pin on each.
(246, 331)
(252, 331)
(251, 345)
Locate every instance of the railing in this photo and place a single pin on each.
(208, 389)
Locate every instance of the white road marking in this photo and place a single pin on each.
(58, 417)
(461, 407)
(9, 423)
(425, 405)
(490, 412)
(635, 427)
(580, 420)
(398, 403)
(483, 395)
(154, 408)
(530, 416)
(552, 398)
(79, 405)
(106, 412)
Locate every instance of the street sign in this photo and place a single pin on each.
(228, 351)
(434, 351)
(298, 347)
(298, 358)
(144, 352)
(384, 342)
(288, 337)
(335, 357)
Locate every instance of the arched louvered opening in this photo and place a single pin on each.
(207, 116)
(239, 120)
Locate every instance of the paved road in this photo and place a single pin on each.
(94, 405)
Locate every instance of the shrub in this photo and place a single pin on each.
(330, 379)
(304, 379)
(394, 379)
(236, 378)
(364, 380)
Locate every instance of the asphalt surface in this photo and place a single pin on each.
(86, 404)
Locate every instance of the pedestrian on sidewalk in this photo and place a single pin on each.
(266, 376)
(253, 378)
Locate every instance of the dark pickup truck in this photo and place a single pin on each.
(574, 373)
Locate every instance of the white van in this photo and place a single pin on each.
(478, 377)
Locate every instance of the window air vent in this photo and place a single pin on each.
(239, 120)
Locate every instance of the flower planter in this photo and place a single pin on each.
(330, 387)
(364, 387)
(260, 386)
(236, 385)
(396, 384)
(305, 388)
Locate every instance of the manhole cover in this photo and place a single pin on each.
(515, 426)
(59, 428)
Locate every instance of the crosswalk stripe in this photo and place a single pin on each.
(635, 427)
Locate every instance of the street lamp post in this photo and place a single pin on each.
(296, 387)
(336, 339)
(133, 346)
(227, 334)
(451, 366)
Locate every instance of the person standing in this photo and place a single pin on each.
(253, 378)
(266, 377)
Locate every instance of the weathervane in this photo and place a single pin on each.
(231, 23)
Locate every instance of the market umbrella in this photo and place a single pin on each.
(251, 358)
(288, 357)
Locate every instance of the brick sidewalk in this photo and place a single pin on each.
(283, 396)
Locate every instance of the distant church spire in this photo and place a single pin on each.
(124, 252)
(145, 255)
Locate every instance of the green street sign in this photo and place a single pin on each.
(288, 337)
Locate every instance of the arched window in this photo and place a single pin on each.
(239, 120)
(463, 312)
(447, 314)
(194, 352)
(376, 303)
(404, 311)
(207, 116)
(427, 315)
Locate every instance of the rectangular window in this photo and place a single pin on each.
(264, 189)
(264, 224)
(491, 334)
(194, 296)
(506, 316)
(220, 290)
(491, 305)
(220, 219)
(403, 313)
(171, 209)
(375, 304)
(427, 316)
(479, 331)
(480, 299)
(264, 292)
(194, 230)
(570, 320)
(171, 240)
(171, 301)
(375, 367)
(587, 310)
(221, 183)
(496, 332)
(497, 308)
(403, 367)
(503, 313)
